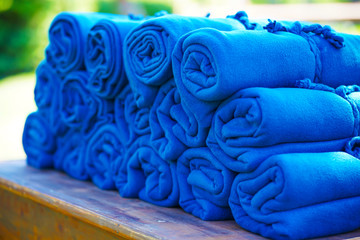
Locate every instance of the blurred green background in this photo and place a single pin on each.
(23, 38)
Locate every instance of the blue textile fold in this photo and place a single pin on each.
(78, 107)
(255, 59)
(204, 184)
(38, 141)
(299, 196)
(163, 139)
(131, 120)
(70, 154)
(256, 123)
(148, 49)
(120, 170)
(103, 149)
(104, 55)
(46, 93)
(67, 37)
(146, 175)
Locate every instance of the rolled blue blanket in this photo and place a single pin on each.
(204, 184)
(46, 94)
(132, 121)
(147, 176)
(104, 55)
(148, 49)
(103, 150)
(39, 142)
(257, 59)
(299, 196)
(78, 107)
(163, 139)
(256, 123)
(67, 37)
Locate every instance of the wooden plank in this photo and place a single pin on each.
(35, 203)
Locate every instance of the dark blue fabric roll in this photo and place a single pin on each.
(131, 120)
(47, 93)
(204, 184)
(148, 49)
(256, 123)
(299, 196)
(204, 80)
(78, 107)
(146, 175)
(67, 37)
(103, 150)
(39, 142)
(120, 170)
(163, 139)
(104, 56)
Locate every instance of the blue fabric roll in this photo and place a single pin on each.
(46, 92)
(131, 120)
(204, 184)
(299, 196)
(204, 80)
(78, 107)
(146, 175)
(39, 142)
(148, 49)
(120, 170)
(163, 139)
(67, 37)
(256, 123)
(104, 57)
(103, 149)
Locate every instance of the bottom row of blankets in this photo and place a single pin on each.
(208, 135)
(290, 195)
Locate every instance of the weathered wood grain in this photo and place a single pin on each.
(47, 204)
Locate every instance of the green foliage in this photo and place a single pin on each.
(16, 35)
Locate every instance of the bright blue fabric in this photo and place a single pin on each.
(254, 59)
(299, 196)
(104, 57)
(46, 93)
(67, 37)
(39, 141)
(204, 184)
(133, 121)
(145, 175)
(163, 139)
(103, 150)
(256, 123)
(78, 107)
(148, 49)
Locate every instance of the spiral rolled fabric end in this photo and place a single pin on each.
(38, 141)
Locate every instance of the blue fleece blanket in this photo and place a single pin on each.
(38, 141)
(67, 37)
(163, 139)
(144, 174)
(299, 196)
(204, 184)
(148, 49)
(133, 121)
(47, 93)
(104, 55)
(78, 107)
(103, 150)
(257, 59)
(256, 123)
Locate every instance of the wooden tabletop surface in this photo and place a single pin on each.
(109, 211)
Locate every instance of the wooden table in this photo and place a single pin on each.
(46, 204)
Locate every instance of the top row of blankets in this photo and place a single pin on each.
(226, 117)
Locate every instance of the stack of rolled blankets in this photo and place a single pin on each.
(224, 117)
